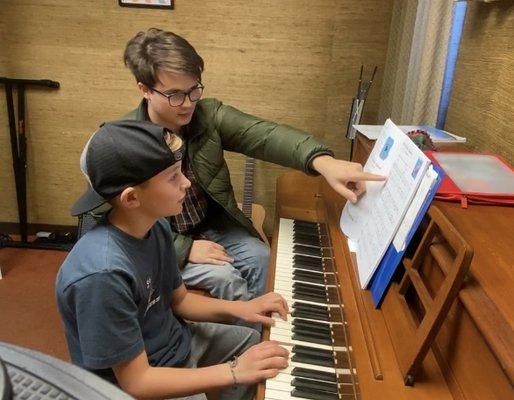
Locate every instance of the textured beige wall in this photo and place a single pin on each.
(293, 61)
(482, 101)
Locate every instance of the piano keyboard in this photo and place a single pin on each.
(320, 365)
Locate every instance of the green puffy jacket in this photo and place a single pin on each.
(216, 127)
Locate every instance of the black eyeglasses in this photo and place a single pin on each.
(176, 99)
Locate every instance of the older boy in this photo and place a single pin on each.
(217, 246)
(120, 293)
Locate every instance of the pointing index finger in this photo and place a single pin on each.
(368, 176)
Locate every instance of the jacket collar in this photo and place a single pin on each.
(195, 128)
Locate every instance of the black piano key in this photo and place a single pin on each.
(327, 359)
(308, 265)
(312, 356)
(298, 348)
(308, 285)
(305, 226)
(316, 268)
(312, 360)
(307, 260)
(308, 276)
(298, 228)
(312, 339)
(310, 310)
(305, 223)
(310, 307)
(299, 277)
(305, 297)
(318, 327)
(299, 295)
(305, 230)
(302, 383)
(309, 288)
(305, 314)
(310, 292)
(308, 241)
(312, 251)
(313, 274)
(313, 334)
(310, 235)
(313, 374)
(300, 238)
(304, 233)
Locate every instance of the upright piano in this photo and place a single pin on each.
(342, 347)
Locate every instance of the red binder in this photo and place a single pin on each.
(474, 178)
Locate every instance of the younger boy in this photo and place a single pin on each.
(120, 293)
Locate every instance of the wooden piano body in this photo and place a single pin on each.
(472, 355)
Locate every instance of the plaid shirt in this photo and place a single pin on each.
(195, 205)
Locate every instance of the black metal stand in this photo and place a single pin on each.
(357, 107)
(19, 156)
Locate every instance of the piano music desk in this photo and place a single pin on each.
(483, 318)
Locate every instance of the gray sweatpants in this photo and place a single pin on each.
(214, 344)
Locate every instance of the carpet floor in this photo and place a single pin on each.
(28, 310)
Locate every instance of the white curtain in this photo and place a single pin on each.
(416, 60)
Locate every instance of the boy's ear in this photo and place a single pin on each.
(145, 90)
(129, 198)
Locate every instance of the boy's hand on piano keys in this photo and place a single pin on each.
(259, 309)
(346, 178)
(260, 362)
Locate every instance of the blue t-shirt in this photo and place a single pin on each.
(114, 295)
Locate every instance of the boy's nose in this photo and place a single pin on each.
(187, 101)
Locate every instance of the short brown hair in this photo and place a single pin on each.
(154, 50)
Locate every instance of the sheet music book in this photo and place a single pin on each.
(394, 254)
(372, 223)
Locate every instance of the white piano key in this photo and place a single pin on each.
(272, 394)
(278, 385)
(286, 339)
(289, 324)
(281, 377)
(290, 300)
(289, 252)
(288, 283)
(293, 364)
(288, 275)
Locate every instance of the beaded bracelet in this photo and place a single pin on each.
(232, 364)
